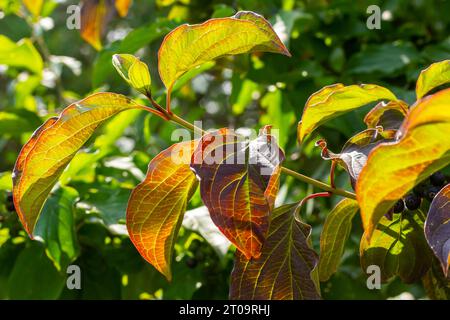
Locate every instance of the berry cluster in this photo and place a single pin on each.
(425, 190)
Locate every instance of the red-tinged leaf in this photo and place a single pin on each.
(392, 169)
(355, 151)
(286, 269)
(238, 184)
(387, 115)
(335, 100)
(435, 75)
(45, 156)
(437, 227)
(157, 205)
(189, 46)
(335, 232)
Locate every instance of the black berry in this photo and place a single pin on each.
(399, 206)
(191, 262)
(412, 201)
(431, 192)
(437, 179)
(420, 189)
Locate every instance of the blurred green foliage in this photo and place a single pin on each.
(44, 66)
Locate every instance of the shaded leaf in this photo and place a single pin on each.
(392, 169)
(199, 220)
(335, 100)
(238, 184)
(436, 285)
(387, 115)
(157, 205)
(355, 151)
(21, 54)
(398, 247)
(189, 46)
(286, 268)
(437, 227)
(134, 72)
(335, 232)
(44, 157)
(435, 75)
(57, 227)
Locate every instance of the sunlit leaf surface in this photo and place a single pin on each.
(435, 75)
(44, 157)
(157, 205)
(22, 54)
(238, 184)
(393, 169)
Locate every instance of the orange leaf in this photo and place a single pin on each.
(157, 205)
(45, 156)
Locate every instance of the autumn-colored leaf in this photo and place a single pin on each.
(398, 247)
(335, 232)
(353, 156)
(286, 269)
(392, 169)
(437, 227)
(435, 75)
(134, 72)
(34, 6)
(95, 16)
(44, 157)
(335, 100)
(157, 205)
(387, 115)
(189, 46)
(238, 183)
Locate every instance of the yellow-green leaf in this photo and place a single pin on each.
(157, 205)
(21, 54)
(392, 169)
(45, 156)
(34, 6)
(134, 72)
(335, 100)
(334, 235)
(435, 75)
(189, 46)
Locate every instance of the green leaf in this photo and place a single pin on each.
(398, 247)
(392, 169)
(56, 227)
(134, 72)
(335, 233)
(239, 180)
(189, 46)
(335, 100)
(285, 270)
(437, 227)
(21, 54)
(435, 75)
(34, 276)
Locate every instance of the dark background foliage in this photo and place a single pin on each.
(329, 42)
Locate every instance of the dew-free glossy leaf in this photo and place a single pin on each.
(157, 205)
(238, 183)
(335, 232)
(435, 75)
(398, 247)
(134, 72)
(335, 100)
(21, 54)
(392, 169)
(285, 270)
(387, 115)
(437, 227)
(189, 46)
(45, 156)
